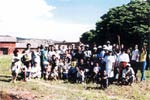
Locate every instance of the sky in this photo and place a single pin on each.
(52, 19)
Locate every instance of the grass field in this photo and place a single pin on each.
(60, 90)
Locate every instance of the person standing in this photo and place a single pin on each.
(110, 60)
(135, 60)
(43, 60)
(143, 55)
(27, 56)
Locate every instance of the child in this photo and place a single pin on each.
(47, 70)
(104, 79)
(36, 71)
(72, 72)
(60, 66)
(54, 74)
(25, 73)
(80, 71)
(96, 71)
(16, 65)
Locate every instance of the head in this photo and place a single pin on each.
(82, 47)
(41, 47)
(145, 46)
(110, 52)
(99, 47)
(86, 47)
(81, 61)
(35, 64)
(128, 65)
(78, 48)
(97, 64)
(28, 45)
(136, 46)
(16, 51)
(122, 46)
(95, 49)
(123, 50)
(46, 47)
(38, 48)
(108, 42)
(105, 47)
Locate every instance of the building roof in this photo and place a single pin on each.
(5, 38)
(23, 45)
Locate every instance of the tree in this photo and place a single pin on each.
(88, 37)
(130, 22)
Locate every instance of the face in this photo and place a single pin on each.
(128, 51)
(108, 43)
(79, 48)
(92, 63)
(97, 64)
(81, 61)
(136, 46)
(28, 46)
(110, 53)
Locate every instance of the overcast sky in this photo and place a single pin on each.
(52, 19)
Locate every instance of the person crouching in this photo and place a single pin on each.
(129, 74)
(16, 65)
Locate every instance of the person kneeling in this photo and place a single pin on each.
(129, 74)
(36, 71)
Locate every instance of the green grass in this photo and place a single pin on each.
(60, 90)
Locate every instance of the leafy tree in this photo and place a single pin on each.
(88, 37)
(130, 22)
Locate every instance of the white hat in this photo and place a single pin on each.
(108, 42)
(99, 46)
(87, 45)
(45, 62)
(105, 47)
(95, 48)
(81, 44)
(128, 64)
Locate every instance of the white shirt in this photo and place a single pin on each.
(109, 65)
(109, 47)
(35, 69)
(37, 57)
(17, 64)
(124, 57)
(28, 55)
(96, 69)
(109, 61)
(135, 55)
(87, 53)
(130, 70)
(50, 53)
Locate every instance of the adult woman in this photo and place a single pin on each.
(143, 55)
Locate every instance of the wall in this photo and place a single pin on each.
(10, 46)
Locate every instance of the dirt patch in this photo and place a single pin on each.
(16, 95)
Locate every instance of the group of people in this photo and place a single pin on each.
(100, 64)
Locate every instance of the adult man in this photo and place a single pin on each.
(123, 60)
(135, 59)
(27, 56)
